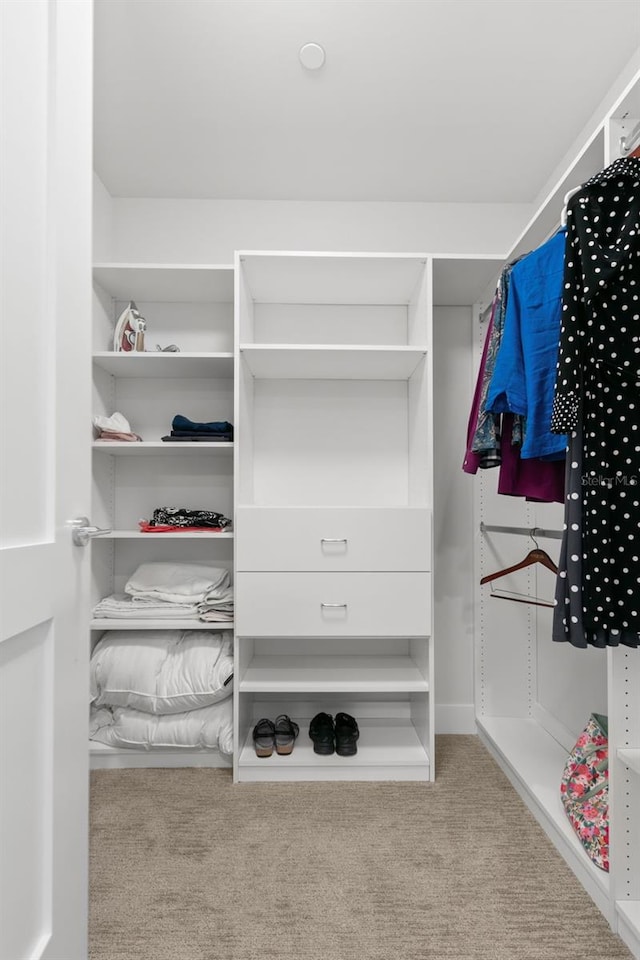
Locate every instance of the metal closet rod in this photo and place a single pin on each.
(521, 531)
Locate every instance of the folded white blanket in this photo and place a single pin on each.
(121, 607)
(161, 671)
(207, 728)
(178, 582)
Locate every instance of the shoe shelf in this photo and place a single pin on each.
(388, 749)
(534, 764)
(166, 365)
(116, 624)
(330, 674)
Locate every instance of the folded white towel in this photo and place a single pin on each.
(177, 582)
(119, 606)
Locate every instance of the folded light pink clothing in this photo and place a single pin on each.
(113, 435)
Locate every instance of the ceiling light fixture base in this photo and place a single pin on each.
(312, 56)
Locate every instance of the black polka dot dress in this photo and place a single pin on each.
(597, 401)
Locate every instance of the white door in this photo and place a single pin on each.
(45, 296)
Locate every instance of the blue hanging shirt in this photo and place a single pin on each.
(525, 370)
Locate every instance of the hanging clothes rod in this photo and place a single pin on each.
(628, 143)
(522, 531)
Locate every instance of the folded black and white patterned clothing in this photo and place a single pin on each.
(182, 517)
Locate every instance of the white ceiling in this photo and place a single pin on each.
(431, 100)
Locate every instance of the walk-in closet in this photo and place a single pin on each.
(259, 258)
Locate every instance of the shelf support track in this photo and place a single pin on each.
(522, 531)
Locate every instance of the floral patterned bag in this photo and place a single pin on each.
(584, 789)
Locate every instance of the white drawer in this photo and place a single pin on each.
(333, 538)
(333, 604)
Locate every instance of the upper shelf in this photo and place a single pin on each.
(166, 365)
(459, 281)
(320, 362)
(155, 448)
(321, 278)
(169, 283)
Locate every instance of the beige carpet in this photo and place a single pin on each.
(186, 866)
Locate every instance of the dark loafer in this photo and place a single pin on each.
(322, 733)
(347, 733)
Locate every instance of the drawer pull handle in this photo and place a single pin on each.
(333, 540)
(334, 605)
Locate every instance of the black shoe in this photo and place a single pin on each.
(347, 734)
(322, 733)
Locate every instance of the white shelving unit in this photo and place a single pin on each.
(189, 305)
(333, 517)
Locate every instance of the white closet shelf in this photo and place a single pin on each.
(327, 674)
(534, 762)
(462, 280)
(114, 624)
(630, 758)
(322, 278)
(331, 361)
(166, 365)
(158, 448)
(187, 535)
(388, 749)
(170, 283)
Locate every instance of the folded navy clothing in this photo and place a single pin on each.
(183, 424)
(201, 433)
(198, 438)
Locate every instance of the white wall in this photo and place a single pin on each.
(208, 231)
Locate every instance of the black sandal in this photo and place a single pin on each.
(264, 738)
(286, 731)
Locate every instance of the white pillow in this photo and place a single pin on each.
(209, 728)
(161, 671)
